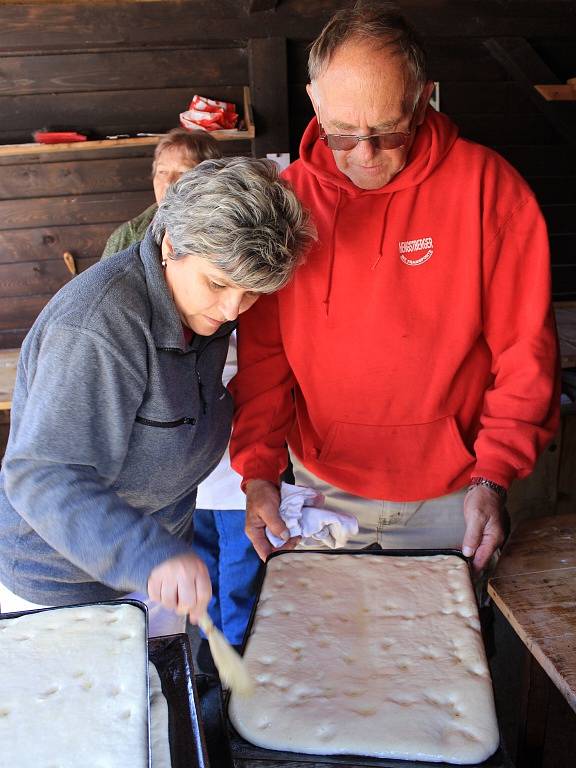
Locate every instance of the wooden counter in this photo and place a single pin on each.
(8, 362)
(535, 589)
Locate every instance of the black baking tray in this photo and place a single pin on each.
(214, 720)
(129, 601)
(172, 657)
(244, 750)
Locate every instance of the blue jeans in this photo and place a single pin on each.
(233, 565)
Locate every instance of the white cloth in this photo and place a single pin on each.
(221, 489)
(316, 525)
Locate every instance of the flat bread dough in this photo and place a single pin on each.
(74, 688)
(369, 655)
(159, 735)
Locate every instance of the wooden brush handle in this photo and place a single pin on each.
(70, 262)
(205, 623)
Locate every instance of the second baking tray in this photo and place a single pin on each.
(124, 601)
(244, 750)
(172, 657)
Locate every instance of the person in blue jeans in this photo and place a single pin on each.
(220, 541)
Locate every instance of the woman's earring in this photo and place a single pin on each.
(164, 263)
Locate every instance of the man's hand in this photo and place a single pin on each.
(262, 502)
(484, 517)
(181, 584)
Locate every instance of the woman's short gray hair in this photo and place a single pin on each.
(237, 213)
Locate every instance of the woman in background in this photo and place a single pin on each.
(177, 151)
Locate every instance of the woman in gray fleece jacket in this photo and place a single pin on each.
(119, 410)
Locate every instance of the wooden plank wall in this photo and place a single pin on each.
(72, 202)
(133, 66)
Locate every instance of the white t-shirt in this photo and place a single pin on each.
(221, 490)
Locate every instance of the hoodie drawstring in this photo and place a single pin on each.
(326, 301)
(386, 200)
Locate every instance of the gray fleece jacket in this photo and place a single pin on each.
(115, 421)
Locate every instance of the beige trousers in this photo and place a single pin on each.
(433, 524)
(160, 620)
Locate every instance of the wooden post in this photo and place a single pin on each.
(534, 705)
(268, 85)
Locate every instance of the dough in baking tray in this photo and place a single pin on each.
(74, 688)
(369, 655)
(159, 734)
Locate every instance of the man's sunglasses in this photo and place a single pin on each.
(345, 142)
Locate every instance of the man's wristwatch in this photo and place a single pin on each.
(499, 489)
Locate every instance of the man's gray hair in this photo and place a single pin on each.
(379, 23)
(237, 213)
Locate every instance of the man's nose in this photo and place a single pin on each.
(173, 177)
(365, 150)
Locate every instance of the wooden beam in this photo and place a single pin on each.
(527, 69)
(59, 27)
(49, 243)
(123, 69)
(520, 60)
(268, 85)
(256, 6)
(91, 208)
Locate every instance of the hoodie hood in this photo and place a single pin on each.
(433, 141)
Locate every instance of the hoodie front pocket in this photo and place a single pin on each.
(430, 457)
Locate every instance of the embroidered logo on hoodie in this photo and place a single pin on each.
(414, 246)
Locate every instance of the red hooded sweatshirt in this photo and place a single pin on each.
(415, 347)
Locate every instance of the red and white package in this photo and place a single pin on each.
(210, 105)
(194, 119)
(209, 115)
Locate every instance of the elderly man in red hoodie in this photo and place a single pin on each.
(410, 366)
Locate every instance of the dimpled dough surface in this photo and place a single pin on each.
(369, 655)
(73, 688)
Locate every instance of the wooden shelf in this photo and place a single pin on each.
(557, 92)
(34, 148)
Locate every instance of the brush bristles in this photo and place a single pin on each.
(230, 665)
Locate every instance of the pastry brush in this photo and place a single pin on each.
(230, 665)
